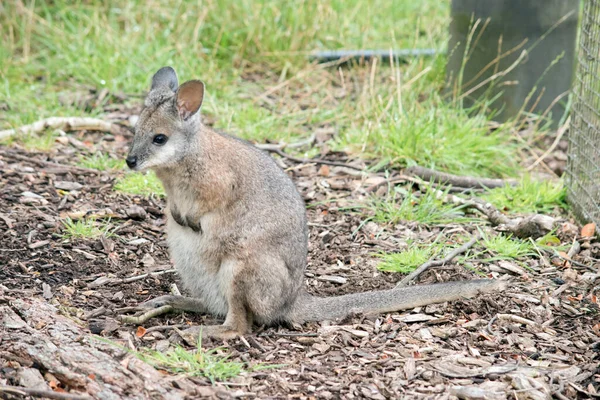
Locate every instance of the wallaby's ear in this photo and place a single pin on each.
(189, 98)
(165, 77)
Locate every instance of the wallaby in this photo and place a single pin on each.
(236, 225)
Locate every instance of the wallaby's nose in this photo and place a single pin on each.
(131, 161)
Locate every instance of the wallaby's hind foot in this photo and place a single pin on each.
(217, 332)
(159, 306)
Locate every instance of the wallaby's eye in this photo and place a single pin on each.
(159, 139)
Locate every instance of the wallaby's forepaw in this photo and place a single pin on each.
(218, 332)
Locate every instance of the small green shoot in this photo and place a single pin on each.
(84, 229)
(405, 261)
(436, 135)
(207, 363)
(41, 142)
(428, 208)
(529, 196)
(101, 162)
(210, 363)
(506, 247)
(142, 184)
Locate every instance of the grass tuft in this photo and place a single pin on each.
(37, 142)
(101, 162)
(199, 362)
(508, 247)
(84, 229)
(529, 196)
(405, 261)
(437, 135)
(141, 184)
(406, 206)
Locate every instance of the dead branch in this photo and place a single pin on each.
(47, 394)
(456, 180)
(434, 263)
(65, 124)
(531, 226)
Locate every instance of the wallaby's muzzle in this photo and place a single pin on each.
(131, 161)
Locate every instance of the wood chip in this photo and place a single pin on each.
(38, 244)
(331, 278)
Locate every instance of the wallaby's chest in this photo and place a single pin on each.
(200, 262)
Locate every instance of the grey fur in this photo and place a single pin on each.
(237, 229)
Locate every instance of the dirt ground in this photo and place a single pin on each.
(539, 339)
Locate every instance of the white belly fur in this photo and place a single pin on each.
(188, 250)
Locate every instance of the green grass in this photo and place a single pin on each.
(405, 261)
(200, 362)
(435, 134)
(508, 247)
(54, 47)
(529, 196)
(245, 48)
(35, 142)
(101, 161)
(209, 363)
(142, 184)
(405, 206)
(84, 229)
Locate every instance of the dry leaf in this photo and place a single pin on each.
(588, 230)
(141, 331)
(563, 260)
(324, 170)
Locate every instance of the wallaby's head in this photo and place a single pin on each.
(168, 122)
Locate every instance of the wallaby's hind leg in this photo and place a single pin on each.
(161, 305)
(237, 323)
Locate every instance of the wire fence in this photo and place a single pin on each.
(583, 168)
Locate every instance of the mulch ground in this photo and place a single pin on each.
(539, 339)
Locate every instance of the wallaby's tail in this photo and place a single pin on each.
(310, 308)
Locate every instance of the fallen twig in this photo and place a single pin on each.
(582, 390)
(577, 263)
(161, 328)
(41, 163)
(66, 124)
(534, 225)
(289, 334)
(283, 154)
(525, 321)
(48, 394)
(434, 263)
(143, 276)
(104, 280)
(575, 249)
(456, 180)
